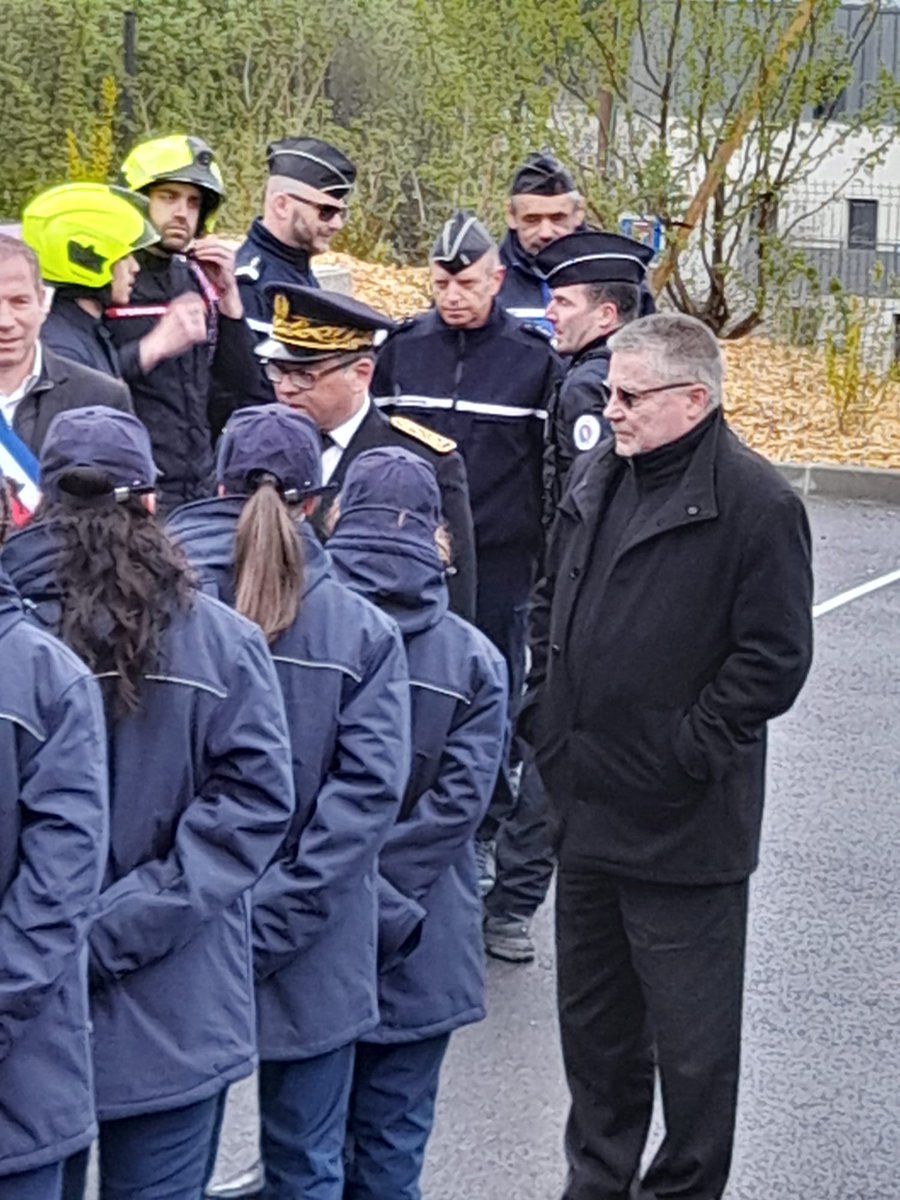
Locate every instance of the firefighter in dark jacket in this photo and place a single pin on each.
(185, 349)
(85, 236)
(473, 373)
(320, 360)
(594, 280)
(53, 838)
(306, 204)
(673, 623)
(201, 797)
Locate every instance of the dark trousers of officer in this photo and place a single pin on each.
(649, 973)
(525, 853)
(157, 1156)
(391, 1116)
(43, 1183)
(303, 1108)
(501, 612)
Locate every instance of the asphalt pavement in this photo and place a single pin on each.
(819, 1113)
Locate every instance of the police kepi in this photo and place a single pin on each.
(309, 324)
(591, 256)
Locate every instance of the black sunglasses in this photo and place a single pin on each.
(327, 212)
(629, 399)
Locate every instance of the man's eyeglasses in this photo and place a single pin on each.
(629, 399)
(327, 212)
(300, 377)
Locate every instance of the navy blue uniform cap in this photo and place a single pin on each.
(311, 161)
(461, 242)
(393, 479)
(542, 174)
(591, 256)
(102, 439)
(274, 439)
(309, 324)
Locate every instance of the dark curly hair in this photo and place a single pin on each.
(121, 581)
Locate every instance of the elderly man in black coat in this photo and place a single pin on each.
(674, 621)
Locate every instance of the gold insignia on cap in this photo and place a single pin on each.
(421, 433)
(310, 335)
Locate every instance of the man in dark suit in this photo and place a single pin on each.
(35, 383)
(673, 623)
(320, 359)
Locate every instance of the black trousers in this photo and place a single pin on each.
(525, 850)
(649, 975)
(501, 612)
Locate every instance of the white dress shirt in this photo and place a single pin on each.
(341, 437)
(9, 404)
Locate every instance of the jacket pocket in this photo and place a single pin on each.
(631, 755)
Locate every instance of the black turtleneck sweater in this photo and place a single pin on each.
(646, 482)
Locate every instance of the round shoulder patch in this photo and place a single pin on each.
(586, 433)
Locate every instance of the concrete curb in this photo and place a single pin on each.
(875, 484)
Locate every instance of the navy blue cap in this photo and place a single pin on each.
(461, 242)
(395, 479)
(274, 439)
(542, 174)
(309, 324)
(311, 161)
(591, 256)
(105, 440)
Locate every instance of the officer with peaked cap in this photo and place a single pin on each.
(320, 360)
(305, 206)
(474, 373)
(594, 280)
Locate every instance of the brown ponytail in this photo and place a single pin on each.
(268, 561)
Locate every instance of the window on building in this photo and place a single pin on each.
(897, 339)
(862, 224)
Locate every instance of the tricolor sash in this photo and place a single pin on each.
(20, 467)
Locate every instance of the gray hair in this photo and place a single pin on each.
(680, 348)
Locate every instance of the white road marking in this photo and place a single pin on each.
(872, 585)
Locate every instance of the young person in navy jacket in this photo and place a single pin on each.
(201, 796)
(53, 832)
(385, 546)
(342, 671)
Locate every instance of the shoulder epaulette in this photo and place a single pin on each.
(421, 433)
(249, 270)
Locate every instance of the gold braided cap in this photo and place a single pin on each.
(311, 335)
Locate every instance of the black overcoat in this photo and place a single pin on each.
(652, 739)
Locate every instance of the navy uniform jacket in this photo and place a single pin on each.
(576, 422)
(651, 739)
(458, 690)
(184, 400)
(488, 389)
(53, 838)
(76, 335)
(376, 430)
(343, 676)
(524, 293)
(201, 798)
(263, 258)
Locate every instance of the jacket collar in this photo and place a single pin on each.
(54, 370)
(274, 247)
(595, 349)
(693, 498)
